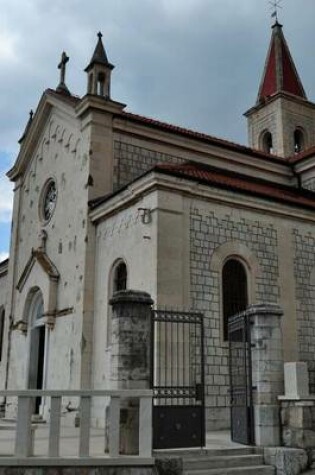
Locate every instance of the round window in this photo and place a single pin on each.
(49, 200)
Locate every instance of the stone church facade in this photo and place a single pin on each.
(106, 200)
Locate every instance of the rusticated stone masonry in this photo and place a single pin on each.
(208, 232)
(131, 161)
(304, 265)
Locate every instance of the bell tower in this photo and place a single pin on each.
(283, 120)
(99, 71)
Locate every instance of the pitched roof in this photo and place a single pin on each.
(280, 73)
(228, 180)
(241, 183)
(99, 55)
(235, 147)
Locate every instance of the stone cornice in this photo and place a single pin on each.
(92, 102)
(43, 111)
(154, 181)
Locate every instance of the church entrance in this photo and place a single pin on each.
(37, 354)
(178, 379)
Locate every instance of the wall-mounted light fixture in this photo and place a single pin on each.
(146, 216)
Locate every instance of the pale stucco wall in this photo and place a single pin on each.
(121, 236)
(61, 155)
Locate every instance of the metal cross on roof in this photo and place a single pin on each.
(276, 4)
(62, 66)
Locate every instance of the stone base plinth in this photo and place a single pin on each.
(287, 461)
(298, 423)
(267, 425)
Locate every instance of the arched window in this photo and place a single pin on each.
(117, 282)
(120, 277)
(299, 141)
(267, 142)
(2, 315)
(234, 291)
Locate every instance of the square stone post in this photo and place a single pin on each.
(130, 358)
(267, 371)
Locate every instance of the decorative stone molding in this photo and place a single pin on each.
(39, 256)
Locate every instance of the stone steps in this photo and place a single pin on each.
(201, 463)
(253, 470)
(190, 453)
(237, 461)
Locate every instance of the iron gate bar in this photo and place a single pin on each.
(177, 378)
(242, 416)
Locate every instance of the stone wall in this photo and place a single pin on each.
(304, 268)
(209, 231)
(309, 184)
(131, 161)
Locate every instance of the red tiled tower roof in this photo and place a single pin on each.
(280, 74)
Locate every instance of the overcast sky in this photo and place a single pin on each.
(195, 63)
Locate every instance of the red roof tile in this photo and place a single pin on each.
(280, 74)
(241, 183)
(302, 155)
(201, 136)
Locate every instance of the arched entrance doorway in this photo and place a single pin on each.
(38, 347)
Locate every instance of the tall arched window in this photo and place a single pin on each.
(234, 290)
(2, 315)
(267, 142)
(117, 281)
(299, 141)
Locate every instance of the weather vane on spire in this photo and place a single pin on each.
(276, 4)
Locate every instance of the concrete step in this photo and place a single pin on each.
(252, 470)
(222, 461)
(190, 453)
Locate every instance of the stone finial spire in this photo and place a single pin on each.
(280, 73)
(99, 71)
(29, 122)
(62, 66)
(99, 55)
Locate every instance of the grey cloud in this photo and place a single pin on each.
(198, 66)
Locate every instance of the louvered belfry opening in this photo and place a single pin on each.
(235, 296)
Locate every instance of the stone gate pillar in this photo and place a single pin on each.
(267, 371)
(130, 357)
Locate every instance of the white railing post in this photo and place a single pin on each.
(24, 430)
(23, 435)
(85, 424)
(114, 414)
(54, 428)
(145, 427)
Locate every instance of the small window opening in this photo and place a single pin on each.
(234, 290)
(120, 278)
(298, 141)
(117, 282)
(267, 143)
(90, 84)
(101, 85)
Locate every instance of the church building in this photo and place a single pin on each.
(106, 200)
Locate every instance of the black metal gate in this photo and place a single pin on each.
(242, 427)
(177, 379)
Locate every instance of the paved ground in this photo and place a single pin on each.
(69, 440)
